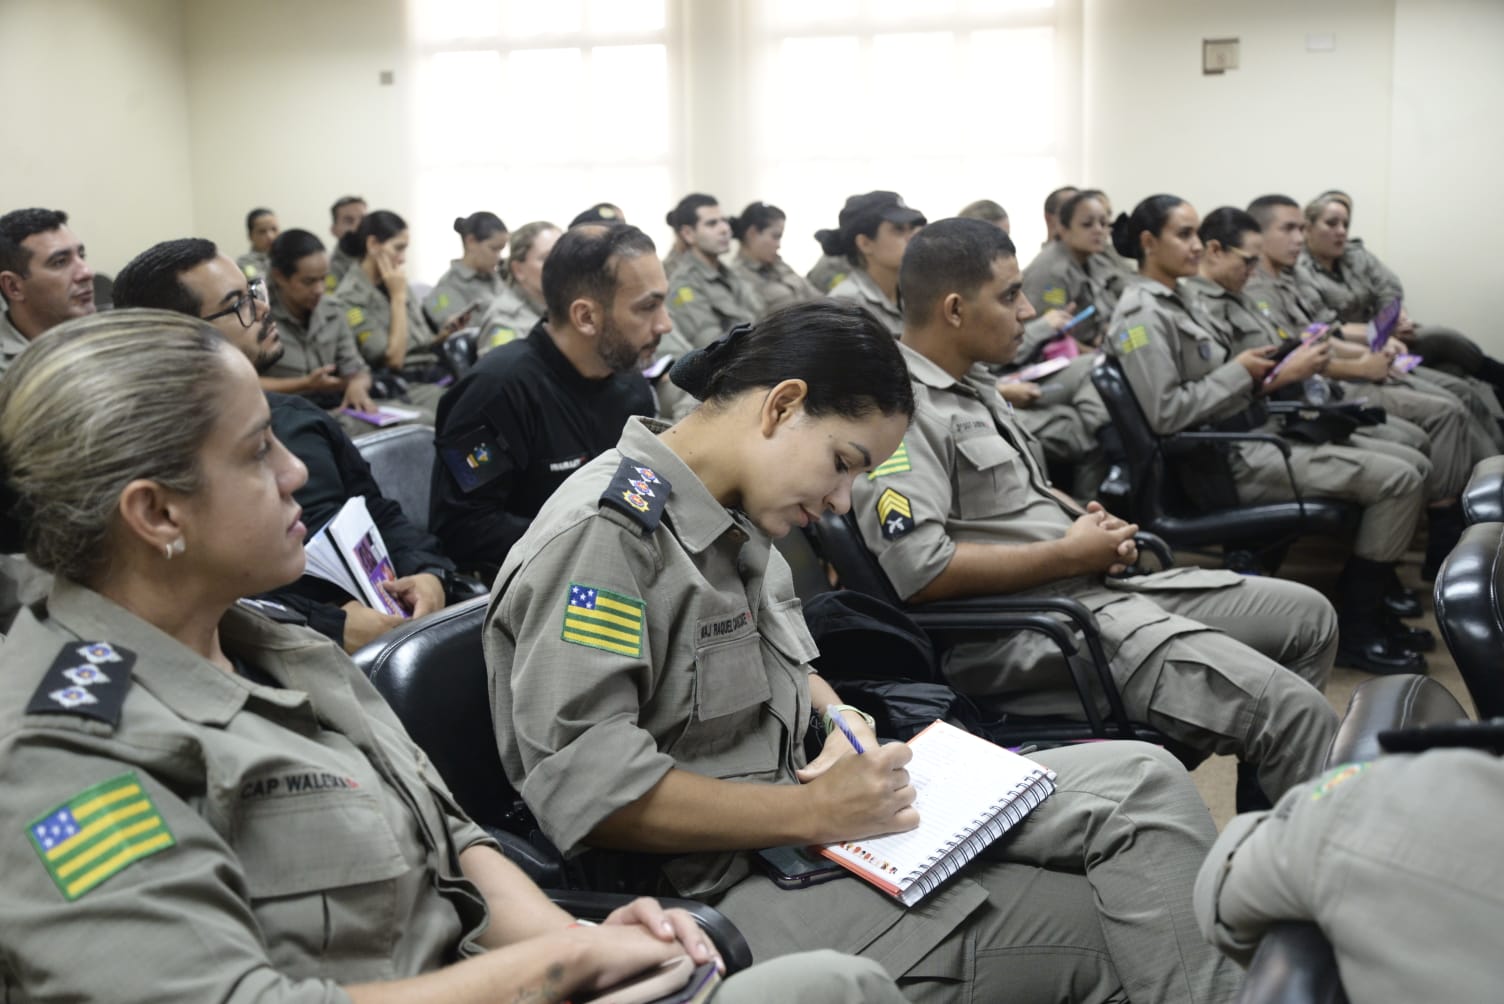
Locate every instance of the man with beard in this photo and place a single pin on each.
(531, 412)
(191, 276)
(44, 278)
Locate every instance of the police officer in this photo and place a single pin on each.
(214, 875)
(828, 271)
(261, 229)
(520, 305)
(1374, 853)
(44, 278)
(344, 216)
(874, 229)
(651, 688)
(472, 282)
(534, 411)
(759, 234)
(963, 509)
(706, 297)
(1183, 376)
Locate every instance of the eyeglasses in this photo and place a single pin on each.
(244, 307)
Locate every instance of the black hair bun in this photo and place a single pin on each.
(695, 372)
(831, 242)
(1122, 240)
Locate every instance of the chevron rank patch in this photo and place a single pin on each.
(330, 282)
(896, 464)
(1055, 296)
(894, 513)
(98, 833)
(1132, 339)
(683, 296)
(597, 618)
(355, 315)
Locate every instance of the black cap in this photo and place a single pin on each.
(601, 212)
(862, 213)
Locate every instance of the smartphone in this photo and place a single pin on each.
(794, 867)
(465, 315)
(1089, 311)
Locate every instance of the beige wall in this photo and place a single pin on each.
(96, 119)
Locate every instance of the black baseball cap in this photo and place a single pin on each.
(862, 213)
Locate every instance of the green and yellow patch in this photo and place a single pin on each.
(598, 618)
(1132, 339)
(98, 833)
(1055, 296)
(896, 464)
(683, 296)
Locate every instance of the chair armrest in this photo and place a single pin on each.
(1390, 702)
(544, 868)
(1294, 964)
(1180, 438)
(590, 905)
(1154, 544)
(465, 587)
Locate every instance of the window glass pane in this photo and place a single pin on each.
(527, 18)
(816, 85)
(1004, 6)
(446, 20)
(607, 16)
(796, 14)
(544, 87)
(450, 87)
(636, 129)
(1016, 67)
(915, 86)
(899, 11)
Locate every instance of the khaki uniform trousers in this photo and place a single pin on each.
(1445, 419)
(1391, 491)
(823, 977)
(1482, 407)
(1065, 917)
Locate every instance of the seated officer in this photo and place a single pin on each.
(344, 217)
(873, 231)
(533, 411)
(261, 228)
(43, 277)
(963, 509)
(706, 297)
(520, 305)
(191, 277)
(472, 280)
(1396, 860)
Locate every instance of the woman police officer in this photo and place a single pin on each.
(201, 803)
(651, 689)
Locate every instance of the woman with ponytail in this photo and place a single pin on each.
(473, 279)
(759, 234)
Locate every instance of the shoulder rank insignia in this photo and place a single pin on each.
(894, 513)
(88, 679)
(637, 491)
(98, 833)
(1132, 339)
(898, 463)
(598, 618)
(683, 296)
(1055, 296)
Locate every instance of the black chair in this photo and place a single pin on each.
(401, 459)
(1483, 498)
(1469, 601)
(433, 674)
(1145, 487)
(1294, 963)
(460, 350)
(838, 540)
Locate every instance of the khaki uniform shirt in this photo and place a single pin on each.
(219, 837)
(967, 472)
(322, 342)
(510, 316)
(829, 272)
(1055, 279)
(255, 265)
(1395, 860)
(339, 264)
(705, 302)
(12, 342)
(1234, 317)
(1356, 287)
(776, 285)
(457, 289)
(365, 314)
(1287, 303)
(859, 286)
(1181, 373)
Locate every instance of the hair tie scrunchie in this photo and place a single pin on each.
(694, 371)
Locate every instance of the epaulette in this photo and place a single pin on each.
(88, 679)
(639, 492)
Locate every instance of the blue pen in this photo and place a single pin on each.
(846, 731)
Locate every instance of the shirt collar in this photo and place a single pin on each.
(542, 342)
(697, 518)
(12, 342)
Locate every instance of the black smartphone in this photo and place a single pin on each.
(795, 867)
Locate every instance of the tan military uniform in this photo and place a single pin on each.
(457, 289)
(365, 314)
(1395, 860)
(322, 342)
(1444, 418)
(1054, 279)
(214, 838)
(12, 342)
(1238, 323)
(776, 285)
(255, 265)
(705, 302)
(511, 316)
(697, 657)
(829, 272)
(859, 286)
(339, 264)
(967, 475)
(1184, 376)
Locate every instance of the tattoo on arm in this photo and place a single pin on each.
(549, 992)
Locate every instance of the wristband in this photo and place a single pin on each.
(831, 710)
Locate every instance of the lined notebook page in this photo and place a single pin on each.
(969, 792)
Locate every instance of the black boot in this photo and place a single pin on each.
(1399, 601)
(1412, 639)
(1362, 641)
(1250, 795)
(1446, 529)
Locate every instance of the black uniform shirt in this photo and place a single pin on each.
(510, 433)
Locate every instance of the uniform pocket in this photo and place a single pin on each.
(728, 735)
(984, 475)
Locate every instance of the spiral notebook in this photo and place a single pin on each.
(970, 792)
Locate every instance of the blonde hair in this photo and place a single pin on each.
(983, 209)
(94, 404)
(1316, 205)
(523, 239)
